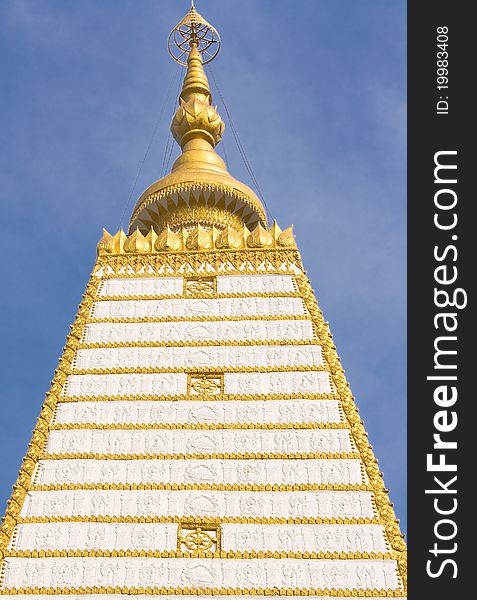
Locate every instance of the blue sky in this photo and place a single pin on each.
(316, 90)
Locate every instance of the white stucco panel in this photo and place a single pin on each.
(200, 573)
(301, 382)
(170, 441)
(193, 331)
(190, 307)
(159, 384)
(142, 286)
(271, 471)
(193, 357)
(267, 284)
(96, 536)
(244, 537)
(240, 537)
(171, 384)
(199, 412)
(200, 503)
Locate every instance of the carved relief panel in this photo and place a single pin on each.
(151, 384)
(190, 357)
(216, 441)
(303, 538)
(223, 471)
(199, 412)
(200, 573)
(193, 331)
(213, 307)
(264, 284)
(96, 536)
(306, 382)
(143, 286)
(200, 503)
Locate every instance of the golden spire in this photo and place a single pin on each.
(199, 190)
(197, 126)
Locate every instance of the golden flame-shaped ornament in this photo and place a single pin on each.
(167, 240)
(151, 238)
(286, 238)
(275, 231)
(244, 233)
(118, 242)
(259, 238)
(136, 243)
(105, 244)
(199, 239)
(228, 238)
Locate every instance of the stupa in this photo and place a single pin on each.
(199, 436)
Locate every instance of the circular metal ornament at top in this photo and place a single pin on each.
(193, 29)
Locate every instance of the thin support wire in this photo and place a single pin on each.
(166, 153)
(240, 147)
(169, 157)
(225, 154)
(148, 148)
(170, 144)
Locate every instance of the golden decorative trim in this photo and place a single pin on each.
(198, 344)
(40, 432)
(200, 186)
(172, 319)
(127, 266)
(223, 519)
(259, 261)
(179, 397)
(230, 554)
(156, 591)
(205, 456)
(200, 296)
(195, 426)
(212, 212)
(204, 371)
(360, 437)
(220, 487)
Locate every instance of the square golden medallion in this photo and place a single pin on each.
(205, 384)
(200, 286)
(198, 537)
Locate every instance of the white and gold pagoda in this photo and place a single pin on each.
(199, 436)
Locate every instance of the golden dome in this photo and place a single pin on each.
(199, 189)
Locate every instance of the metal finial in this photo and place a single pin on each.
(193, 30)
